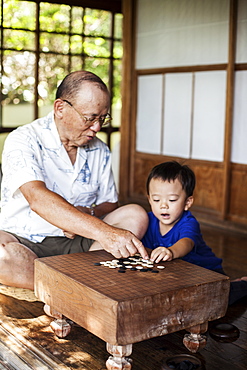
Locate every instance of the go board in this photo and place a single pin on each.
(123, 308)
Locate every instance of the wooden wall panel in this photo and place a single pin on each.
(209, 184)
(141, 169)
(208, 193)
(238, 194)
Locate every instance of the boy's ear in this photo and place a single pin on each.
(188, 203)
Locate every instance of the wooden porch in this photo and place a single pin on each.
(27, 342)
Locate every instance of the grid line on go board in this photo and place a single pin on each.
(81, 267)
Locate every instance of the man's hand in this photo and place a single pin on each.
(69, 235)
(122, 243)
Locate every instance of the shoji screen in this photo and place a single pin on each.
(180, 33)
(239, 147)
(182, 114)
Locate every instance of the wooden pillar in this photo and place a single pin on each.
(128, 7)
(229, 107)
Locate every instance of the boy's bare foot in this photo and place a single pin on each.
(244, 278)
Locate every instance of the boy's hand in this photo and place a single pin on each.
(161, 254)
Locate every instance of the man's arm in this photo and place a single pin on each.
(56, 210)
(99, 209)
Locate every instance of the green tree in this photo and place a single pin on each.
(70, 38)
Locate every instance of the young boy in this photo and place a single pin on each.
(173, 232)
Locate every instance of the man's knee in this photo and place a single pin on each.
(6, 237)
(14, 252)
(135, 213)
(16, 265)
(139, 216)
(136, 210)
(132, 209)
(130, 217)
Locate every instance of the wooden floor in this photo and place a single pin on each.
(27, 342)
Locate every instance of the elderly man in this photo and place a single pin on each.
(58, 191)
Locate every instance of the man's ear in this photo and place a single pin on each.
(188, 203)
(58, 108)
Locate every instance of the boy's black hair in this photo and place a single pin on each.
(170, 171)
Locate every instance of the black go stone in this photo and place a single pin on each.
(183, 365)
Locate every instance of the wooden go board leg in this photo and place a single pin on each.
(118, 361)
(195, 341)
(60, 326)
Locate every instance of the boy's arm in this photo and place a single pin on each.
(177, 250)
(182, 247)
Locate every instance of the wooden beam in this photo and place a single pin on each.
(229, 107)
(111, 5)
(182, 69)
(128, 7)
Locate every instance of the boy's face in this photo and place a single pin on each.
(168, 201)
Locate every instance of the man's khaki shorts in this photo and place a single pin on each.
(55, 245)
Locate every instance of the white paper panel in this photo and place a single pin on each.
(180, 33)
(209, 116)
(239, 138)
(177, 114)
(149, 114)
(241, 50)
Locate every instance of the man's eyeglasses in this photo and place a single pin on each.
(103, 120)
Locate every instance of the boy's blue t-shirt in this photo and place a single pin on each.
(186, 227)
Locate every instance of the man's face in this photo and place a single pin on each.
(75, 128)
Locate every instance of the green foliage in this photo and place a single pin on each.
(71, 38)
(18, 77)
(19, 14)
